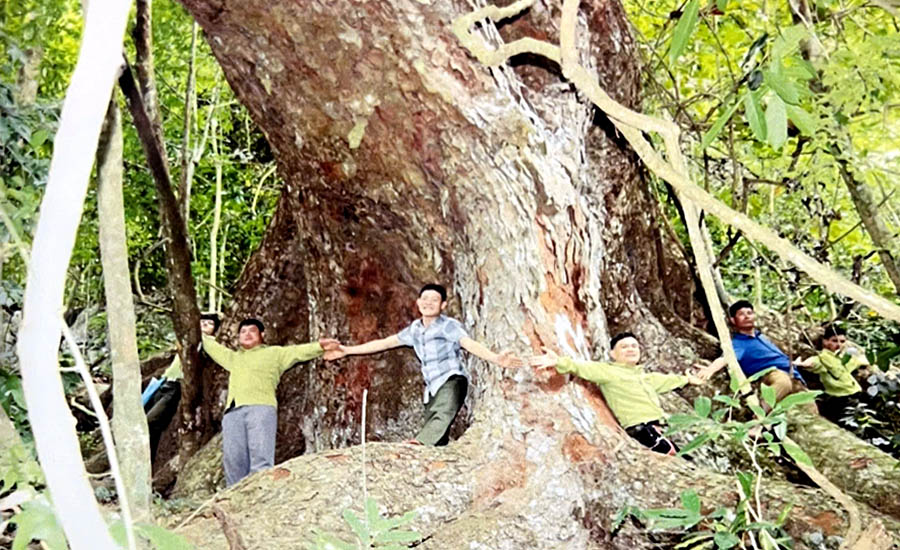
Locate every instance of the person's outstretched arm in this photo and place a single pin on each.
(706, 373)
(504, 359)
(370, 347)
(220, 355)
(591, 371)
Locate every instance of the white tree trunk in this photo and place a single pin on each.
(129, 423)
(75, 144)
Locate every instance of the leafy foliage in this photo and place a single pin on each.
(773, 103)
(372, 531)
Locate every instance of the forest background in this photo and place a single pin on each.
(790, 113)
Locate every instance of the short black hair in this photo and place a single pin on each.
(251, 321)
(214, 317)
(833, 330)
(737, 306)
(437, 288)
(619, 337)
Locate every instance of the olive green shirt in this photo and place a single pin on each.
(254, 373)
(631, 393)
(174, 372)
(836, 376)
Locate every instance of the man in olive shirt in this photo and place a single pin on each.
(631, 393)
(834, 365)
(251, 414)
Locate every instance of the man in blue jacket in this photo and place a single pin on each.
(755, 353)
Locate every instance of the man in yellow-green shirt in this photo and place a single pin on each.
(251, 414)
(835, 365)
(631, 393)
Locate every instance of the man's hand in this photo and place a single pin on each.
(549, 359)
(509, 360)
(695, 380)
(703, 373)
(334, 355)
(329, 344)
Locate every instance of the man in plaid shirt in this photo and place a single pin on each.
(437, 340)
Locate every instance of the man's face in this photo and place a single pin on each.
(249, 336)
(834, 343)
(743, 319)
(627, 351)
(430, 303)
(207, 326)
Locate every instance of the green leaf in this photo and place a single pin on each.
(683, 30)
(690, 501)
(746, 480)
(785, 89)
(397, 536)
(722, 4)
(797, 453)
(37, 521)
(359, 529)
(162, 539)
(755, 118)
(768, 395)
(776, 122)
(372, 510)
(702, 405)
(728, 400)
(782, 517)
(767, 540)
(757, 375)
(757, 410)
(781, 430)
(788, 41)
(716, 129)
(725, 540)
(38, 137)
(694, 443)
(795, 399)
(679, 421)
(804, 121)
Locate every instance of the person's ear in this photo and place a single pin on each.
(443, 305)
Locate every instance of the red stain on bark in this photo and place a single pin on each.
(500, 476)
(280, 473)
(830, 522)
(578, 449)
(595, 400)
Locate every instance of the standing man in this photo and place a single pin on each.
(755, 353)
(251, 413)
(161, 407)
(437, 340)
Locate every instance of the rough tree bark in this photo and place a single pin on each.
(406, 161)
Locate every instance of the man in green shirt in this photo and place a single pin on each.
(161, 407)
(834, 365)
(251, 414)
(631, 393)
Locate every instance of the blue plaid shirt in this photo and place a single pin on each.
(437, 348)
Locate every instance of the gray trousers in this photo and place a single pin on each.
(248, 441)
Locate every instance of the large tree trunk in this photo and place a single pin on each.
(407, 162)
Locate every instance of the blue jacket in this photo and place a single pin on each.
(755, 353)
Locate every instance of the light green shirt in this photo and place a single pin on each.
(836, 376)
(174, 372)
(254, 373)
(631, 393)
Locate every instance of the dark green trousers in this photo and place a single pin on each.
(441, 411)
